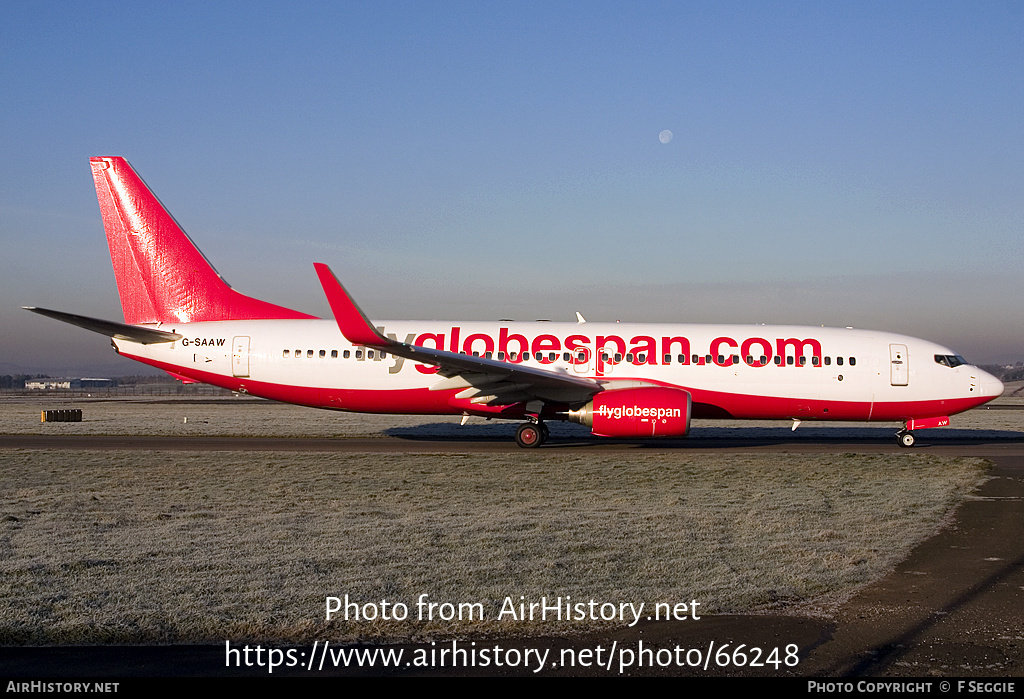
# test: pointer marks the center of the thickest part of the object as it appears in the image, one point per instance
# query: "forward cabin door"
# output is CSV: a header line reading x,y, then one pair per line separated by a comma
x,y
899,369
240,356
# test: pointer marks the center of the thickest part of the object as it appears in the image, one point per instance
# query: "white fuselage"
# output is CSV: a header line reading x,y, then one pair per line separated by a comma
x,y
738,371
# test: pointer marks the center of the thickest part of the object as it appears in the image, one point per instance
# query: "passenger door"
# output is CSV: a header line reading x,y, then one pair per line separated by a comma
x,y
899,370
240,356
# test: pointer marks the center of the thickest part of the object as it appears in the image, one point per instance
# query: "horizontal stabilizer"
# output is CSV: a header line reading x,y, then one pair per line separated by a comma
x,y
120,331
182,378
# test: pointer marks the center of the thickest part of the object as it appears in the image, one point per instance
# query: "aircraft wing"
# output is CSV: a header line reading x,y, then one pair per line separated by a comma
x,y
485,381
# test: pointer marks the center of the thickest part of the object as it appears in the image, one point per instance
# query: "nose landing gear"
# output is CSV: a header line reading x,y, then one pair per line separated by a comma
x,y
905,438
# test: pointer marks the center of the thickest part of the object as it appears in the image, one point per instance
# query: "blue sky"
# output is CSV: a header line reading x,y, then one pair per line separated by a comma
x,y
832,163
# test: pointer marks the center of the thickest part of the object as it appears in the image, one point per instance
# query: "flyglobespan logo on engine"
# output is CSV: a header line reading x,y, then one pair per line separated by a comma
x,y
620,411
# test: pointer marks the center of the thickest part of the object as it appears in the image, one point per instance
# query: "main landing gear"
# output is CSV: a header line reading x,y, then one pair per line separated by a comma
x,y
531,434
905,438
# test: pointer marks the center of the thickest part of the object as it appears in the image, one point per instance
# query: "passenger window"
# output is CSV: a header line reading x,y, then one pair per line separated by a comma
x,y
566,357
778,360
764,360
694,359
618,357
839,361
735,359
748,359
323,353
334,354
298,353
803,361
309,353
383,355
359,354
642,358
552,356
789,361
828,361
287,353
369,354
668,359
487,355
629,356
815,361
346,354
501,356
853,361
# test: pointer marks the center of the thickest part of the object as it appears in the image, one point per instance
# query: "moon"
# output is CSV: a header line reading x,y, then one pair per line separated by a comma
x,y
665,136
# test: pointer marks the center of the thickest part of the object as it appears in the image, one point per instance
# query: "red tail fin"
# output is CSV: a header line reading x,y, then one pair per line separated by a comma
x,y
161,275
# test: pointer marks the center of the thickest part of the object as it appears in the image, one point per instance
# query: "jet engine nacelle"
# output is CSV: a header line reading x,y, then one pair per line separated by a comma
x,y
637,412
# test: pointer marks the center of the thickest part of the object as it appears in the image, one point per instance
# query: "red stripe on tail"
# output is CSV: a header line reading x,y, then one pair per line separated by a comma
x,y
161,275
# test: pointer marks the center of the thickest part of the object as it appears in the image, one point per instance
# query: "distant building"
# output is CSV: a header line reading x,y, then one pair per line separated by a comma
x,y
68,384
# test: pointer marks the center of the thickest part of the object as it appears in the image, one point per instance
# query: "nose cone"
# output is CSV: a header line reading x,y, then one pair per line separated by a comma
x,y
990,386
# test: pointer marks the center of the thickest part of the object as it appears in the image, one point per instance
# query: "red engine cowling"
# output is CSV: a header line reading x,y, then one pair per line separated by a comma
x,y
637,412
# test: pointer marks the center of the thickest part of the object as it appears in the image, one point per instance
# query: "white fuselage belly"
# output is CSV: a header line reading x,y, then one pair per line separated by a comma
x,y
808,372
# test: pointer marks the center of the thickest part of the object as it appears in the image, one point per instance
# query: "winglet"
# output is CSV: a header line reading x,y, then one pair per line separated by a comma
x,y
352,322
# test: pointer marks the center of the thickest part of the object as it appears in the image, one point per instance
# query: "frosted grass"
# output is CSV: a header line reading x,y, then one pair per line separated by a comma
x,y
173,547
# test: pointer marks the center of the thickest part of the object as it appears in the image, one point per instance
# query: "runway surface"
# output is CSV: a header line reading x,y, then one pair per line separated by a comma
x,y
953,608
959,443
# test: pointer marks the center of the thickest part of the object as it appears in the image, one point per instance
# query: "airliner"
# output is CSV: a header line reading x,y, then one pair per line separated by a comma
x,y
624,380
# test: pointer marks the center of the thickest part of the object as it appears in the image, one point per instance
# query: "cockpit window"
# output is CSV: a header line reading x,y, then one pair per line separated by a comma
x,y
950,360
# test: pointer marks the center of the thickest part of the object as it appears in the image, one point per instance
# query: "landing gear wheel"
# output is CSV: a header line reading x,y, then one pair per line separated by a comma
x,y
530,435
906,439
